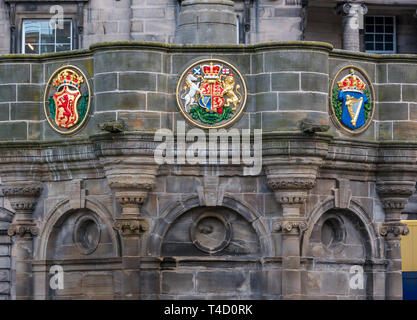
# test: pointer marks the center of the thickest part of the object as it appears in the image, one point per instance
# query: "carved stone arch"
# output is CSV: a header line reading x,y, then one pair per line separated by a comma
x,y
176,209
65,207
356,209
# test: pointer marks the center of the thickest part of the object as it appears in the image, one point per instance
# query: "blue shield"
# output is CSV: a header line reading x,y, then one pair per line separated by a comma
x,y
353,112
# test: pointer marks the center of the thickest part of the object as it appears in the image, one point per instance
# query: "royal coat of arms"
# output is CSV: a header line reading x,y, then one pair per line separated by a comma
x,y
67,99
352,100
211,94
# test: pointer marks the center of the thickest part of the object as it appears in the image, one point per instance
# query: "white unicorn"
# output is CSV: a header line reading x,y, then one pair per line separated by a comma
x,y
189,96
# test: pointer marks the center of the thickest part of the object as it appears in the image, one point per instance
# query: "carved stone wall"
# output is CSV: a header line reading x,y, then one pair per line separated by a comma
x,y
122,226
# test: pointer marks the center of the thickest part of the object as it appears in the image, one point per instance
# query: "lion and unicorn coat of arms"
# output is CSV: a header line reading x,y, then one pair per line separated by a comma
x,y
211,94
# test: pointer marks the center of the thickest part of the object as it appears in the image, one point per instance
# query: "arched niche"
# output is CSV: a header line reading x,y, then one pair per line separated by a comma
x,y
184,223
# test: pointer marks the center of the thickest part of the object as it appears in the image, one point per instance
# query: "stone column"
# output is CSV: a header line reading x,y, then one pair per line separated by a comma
x,y
394,197
350,24
131,178
206,22
290,185
23,198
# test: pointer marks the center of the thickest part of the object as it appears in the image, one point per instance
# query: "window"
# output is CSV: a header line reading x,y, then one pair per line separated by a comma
x,y
380,34
38,36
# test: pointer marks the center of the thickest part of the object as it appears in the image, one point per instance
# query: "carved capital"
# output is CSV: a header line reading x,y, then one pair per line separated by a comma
x,y
393,229
23,229
394,197
22,197
290,226
131,226
130,201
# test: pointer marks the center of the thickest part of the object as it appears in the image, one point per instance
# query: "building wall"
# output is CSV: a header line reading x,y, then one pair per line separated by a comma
x,y
136,82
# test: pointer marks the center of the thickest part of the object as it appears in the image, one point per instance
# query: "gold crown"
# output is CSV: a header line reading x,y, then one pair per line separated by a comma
x,y
211,71
351,82
68,77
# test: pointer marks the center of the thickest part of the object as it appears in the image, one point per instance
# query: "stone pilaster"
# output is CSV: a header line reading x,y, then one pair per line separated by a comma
x,y
394,197
291,185
131,178
23,198
351,12
206,22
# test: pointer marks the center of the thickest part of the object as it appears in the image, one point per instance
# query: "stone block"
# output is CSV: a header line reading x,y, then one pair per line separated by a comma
x,y
137,81
221,282
302,101
28,92
409,93
25,111
413,111
405,131
176,184
292,60
4,262
120,101
37,73
259,83
285,81
4,111
283,121
149,282
7,92
4,275
381,73
257,63
392,111
34,130
388,92
13,131
402,73
4,287
177,282
15,73
127,61
141,121
105,82
262,102
314,82
137,26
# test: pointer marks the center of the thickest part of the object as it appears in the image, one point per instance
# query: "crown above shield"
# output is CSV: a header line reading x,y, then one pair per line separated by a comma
x,y
211,71
351,82
68,78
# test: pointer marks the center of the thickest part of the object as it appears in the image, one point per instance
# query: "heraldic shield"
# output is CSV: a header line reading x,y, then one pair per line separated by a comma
x,y
352,100
211,93
67,100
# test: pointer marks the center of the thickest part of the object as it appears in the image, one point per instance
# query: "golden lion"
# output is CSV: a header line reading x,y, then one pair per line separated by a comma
x,y
228,86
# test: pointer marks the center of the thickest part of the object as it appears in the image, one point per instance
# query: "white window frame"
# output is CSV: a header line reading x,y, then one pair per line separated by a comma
x,y
394,42
39,40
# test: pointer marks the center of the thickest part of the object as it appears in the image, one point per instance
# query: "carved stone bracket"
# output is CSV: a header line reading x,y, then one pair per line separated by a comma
x,y
22,230
290,226
393,229
131,226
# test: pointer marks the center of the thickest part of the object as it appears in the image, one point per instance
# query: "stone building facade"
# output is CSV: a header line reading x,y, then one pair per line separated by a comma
x,y
122,226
